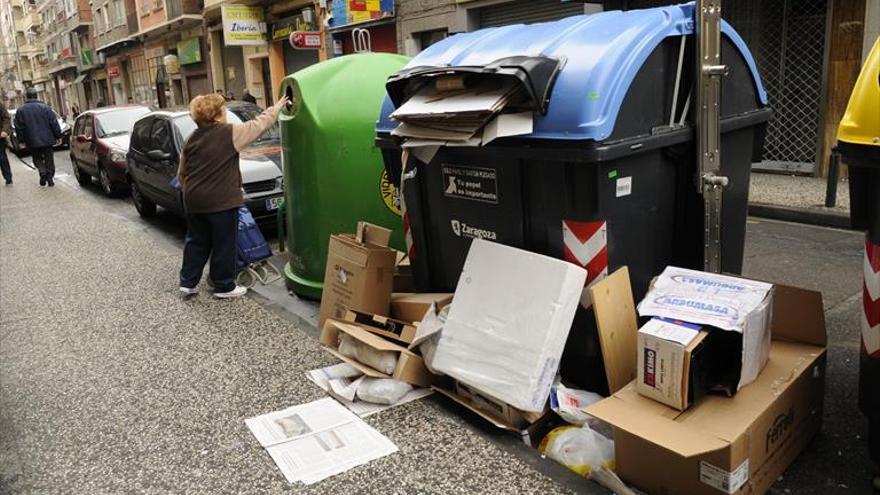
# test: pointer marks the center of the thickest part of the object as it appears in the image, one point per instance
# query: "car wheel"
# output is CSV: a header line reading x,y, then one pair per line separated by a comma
x,y
82,178
107,185
144,206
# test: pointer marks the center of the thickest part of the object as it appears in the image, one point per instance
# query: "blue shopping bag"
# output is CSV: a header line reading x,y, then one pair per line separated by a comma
x,y
252,246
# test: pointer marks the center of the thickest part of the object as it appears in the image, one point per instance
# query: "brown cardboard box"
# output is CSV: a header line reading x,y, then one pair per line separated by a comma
x,y
406,306
360,271
730,445
399,331
529,425
665,365
410,367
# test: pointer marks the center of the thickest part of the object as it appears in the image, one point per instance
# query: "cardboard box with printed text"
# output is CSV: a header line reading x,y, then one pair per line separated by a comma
x,y
733,445
359,274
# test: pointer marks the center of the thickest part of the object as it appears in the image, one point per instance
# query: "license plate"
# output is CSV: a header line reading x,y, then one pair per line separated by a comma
x,y
273,203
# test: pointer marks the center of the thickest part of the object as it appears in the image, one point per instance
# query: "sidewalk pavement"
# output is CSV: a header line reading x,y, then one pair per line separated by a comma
x,y
110,382
797,199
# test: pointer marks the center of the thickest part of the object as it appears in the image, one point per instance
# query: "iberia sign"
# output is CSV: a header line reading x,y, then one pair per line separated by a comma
x,y
305,40
243,25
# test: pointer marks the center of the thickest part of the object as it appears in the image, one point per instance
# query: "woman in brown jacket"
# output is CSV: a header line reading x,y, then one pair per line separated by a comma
x,y
210,180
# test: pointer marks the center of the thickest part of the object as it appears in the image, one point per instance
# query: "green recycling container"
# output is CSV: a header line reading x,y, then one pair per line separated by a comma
x,y
334,175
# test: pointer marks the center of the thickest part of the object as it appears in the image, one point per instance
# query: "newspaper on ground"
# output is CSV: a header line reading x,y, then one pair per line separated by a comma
x,y
339,377
311,442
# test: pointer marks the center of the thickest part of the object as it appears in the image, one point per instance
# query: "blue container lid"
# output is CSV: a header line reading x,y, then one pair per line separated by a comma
x,y
602,53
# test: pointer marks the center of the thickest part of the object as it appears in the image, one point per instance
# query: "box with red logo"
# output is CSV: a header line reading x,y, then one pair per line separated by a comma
x,y
669,360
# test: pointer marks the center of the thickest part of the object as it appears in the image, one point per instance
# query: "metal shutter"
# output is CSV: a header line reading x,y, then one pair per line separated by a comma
x,y
523,11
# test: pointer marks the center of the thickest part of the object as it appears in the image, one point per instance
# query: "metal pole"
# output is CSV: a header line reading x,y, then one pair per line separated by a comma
x,y
833,178
710,183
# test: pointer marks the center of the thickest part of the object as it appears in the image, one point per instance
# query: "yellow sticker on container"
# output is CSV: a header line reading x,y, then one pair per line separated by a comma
x,y
389,193
373,6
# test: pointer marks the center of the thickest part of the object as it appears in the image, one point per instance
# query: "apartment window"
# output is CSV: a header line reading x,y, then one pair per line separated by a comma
x,y
145,7
120,12
99,20
159,4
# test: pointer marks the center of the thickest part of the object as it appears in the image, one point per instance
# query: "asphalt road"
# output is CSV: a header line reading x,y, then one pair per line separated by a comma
x,y
817,258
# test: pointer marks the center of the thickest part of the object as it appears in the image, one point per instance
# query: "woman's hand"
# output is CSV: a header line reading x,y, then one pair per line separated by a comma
x,y
280,104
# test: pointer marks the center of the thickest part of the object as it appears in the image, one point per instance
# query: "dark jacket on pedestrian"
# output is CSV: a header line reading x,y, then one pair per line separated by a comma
x,y
5,124
37,125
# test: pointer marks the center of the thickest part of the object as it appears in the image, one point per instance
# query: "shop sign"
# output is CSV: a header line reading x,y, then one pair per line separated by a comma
x,y
189,51
113,71
65,52
243,25
283,28
305,40
172,65
347,12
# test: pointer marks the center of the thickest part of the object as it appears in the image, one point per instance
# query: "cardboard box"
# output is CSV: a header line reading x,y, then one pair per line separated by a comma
x,y
360,272
505,333
408,306
669,362
739,444
530,426
399,331
410,367
404,281
740,309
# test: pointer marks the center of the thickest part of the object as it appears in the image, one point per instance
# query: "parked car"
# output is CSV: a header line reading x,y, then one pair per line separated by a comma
x,y
100,144
19,147
154,154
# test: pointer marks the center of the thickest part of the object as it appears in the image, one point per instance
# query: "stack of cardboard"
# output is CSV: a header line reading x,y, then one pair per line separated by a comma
x,y
356,306
738,444
458,114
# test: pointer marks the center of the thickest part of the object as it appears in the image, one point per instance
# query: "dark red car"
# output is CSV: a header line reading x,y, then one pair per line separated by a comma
x,y
99,143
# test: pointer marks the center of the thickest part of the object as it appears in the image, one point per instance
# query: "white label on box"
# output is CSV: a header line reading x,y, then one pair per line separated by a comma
x,y
671,331
722,480
624,186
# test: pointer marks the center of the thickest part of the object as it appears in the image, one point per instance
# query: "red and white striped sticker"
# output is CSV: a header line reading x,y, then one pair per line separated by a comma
x,y
871,300
586,244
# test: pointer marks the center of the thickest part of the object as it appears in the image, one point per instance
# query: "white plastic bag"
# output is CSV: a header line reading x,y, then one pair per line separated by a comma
x,y
579,448
382,390
569,403
383,361
428,335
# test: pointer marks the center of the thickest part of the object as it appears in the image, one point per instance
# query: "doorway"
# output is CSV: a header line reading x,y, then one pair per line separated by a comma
x,y
267,82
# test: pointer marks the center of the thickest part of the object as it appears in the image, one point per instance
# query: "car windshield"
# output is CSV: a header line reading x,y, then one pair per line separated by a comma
x,y
119,121
185,124
245,113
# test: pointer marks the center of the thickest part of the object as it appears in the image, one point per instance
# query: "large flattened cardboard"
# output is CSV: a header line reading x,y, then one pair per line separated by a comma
x,y
506,331
754,435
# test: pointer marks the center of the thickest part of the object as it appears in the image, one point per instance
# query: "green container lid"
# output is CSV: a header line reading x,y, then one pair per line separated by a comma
x,y
333,174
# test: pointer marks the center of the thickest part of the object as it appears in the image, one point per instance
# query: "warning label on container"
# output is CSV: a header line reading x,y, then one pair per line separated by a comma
x,y
473,183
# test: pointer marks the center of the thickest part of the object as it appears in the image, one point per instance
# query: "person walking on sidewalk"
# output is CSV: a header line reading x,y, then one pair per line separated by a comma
x,y
37,124
210,181
5,132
